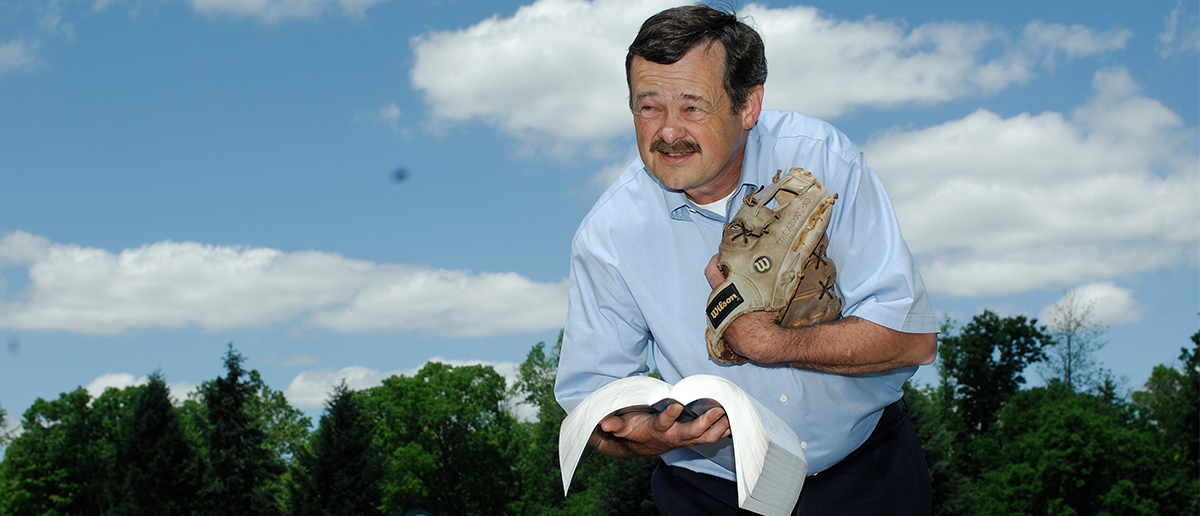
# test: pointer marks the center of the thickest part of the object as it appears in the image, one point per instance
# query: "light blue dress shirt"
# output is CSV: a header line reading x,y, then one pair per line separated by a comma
x,y
638,291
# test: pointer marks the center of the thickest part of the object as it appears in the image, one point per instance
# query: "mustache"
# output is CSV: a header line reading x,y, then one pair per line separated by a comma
x,y
679,147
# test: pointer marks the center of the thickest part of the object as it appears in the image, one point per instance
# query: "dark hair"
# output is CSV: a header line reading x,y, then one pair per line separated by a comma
x,y
665,37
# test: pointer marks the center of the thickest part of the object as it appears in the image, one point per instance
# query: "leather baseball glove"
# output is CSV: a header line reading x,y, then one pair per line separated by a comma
x,y
773,259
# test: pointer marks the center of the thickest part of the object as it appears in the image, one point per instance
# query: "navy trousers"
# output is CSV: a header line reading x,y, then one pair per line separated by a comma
x,y
886,475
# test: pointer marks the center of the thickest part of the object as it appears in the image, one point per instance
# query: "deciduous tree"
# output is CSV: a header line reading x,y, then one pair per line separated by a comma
x,y
1057,451
982,365
447,440
1077,336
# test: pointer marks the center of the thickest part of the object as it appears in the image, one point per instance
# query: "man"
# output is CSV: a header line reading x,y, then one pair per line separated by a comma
x,y
642,268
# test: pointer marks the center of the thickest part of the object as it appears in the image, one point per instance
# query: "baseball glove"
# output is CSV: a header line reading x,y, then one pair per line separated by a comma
x,y
773,260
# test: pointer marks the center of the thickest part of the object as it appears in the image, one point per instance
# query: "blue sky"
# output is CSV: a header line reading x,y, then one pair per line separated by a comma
x,y
178,175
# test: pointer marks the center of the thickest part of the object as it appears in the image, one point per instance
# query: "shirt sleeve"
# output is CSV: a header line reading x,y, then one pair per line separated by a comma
x,y
606,338
876,273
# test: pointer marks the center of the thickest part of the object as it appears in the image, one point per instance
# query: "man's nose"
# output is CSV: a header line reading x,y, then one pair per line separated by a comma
x,y
672,129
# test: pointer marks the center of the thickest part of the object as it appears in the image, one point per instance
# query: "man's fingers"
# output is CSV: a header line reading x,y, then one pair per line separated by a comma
x,y
717,430
611,424
713,273
667,417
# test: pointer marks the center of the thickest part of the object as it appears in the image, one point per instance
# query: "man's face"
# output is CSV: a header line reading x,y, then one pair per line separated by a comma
x,y
687,135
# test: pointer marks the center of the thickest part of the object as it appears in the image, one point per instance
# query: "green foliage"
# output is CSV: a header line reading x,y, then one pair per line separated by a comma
x,y
539,477
241,469
59,464
981,366
155,469
932,419
341,474
447,440
1170,401
1055,451
601,485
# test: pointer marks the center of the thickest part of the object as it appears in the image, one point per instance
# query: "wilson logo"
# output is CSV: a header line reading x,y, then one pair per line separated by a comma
x,y
762,264
723,303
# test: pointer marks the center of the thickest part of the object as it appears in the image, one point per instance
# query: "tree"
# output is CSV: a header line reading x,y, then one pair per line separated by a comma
x,y
447,440
342,472
1077,336
240,467
3,428
156,468
1170,402
601,485
1057,451
59,463
930,418
286,431
981,366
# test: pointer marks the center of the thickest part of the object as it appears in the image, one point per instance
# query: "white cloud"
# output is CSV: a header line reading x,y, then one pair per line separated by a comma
x,y
274,11
181,390
115,380
389,114
1111,305
555,67
1181,33
999,206
554,70
311,389
18,55
175,285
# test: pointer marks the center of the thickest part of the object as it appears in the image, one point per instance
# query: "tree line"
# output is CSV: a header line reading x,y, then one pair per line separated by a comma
x,y
446,441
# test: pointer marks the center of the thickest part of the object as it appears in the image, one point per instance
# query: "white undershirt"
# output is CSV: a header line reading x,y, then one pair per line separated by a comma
x,y
719,207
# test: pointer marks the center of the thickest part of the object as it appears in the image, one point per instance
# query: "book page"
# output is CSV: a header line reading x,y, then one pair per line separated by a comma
x,y
633,391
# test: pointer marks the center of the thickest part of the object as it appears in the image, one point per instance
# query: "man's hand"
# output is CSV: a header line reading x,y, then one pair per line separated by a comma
x,y
847,345
639,434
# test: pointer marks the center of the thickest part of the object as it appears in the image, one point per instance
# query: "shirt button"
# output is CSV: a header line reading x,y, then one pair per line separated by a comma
x,y
803,445
783,398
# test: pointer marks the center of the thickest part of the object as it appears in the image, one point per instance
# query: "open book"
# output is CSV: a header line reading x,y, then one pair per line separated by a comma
x,y
768,460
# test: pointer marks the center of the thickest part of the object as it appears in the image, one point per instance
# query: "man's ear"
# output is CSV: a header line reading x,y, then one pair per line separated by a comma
x,y
753,107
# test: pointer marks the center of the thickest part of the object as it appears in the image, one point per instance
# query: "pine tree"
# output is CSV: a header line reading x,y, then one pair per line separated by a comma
x,y
155,469
239,466
340,474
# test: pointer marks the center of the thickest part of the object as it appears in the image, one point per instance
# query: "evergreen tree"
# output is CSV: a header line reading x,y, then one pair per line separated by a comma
x,y
240,468
156,469
286,429
341,474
